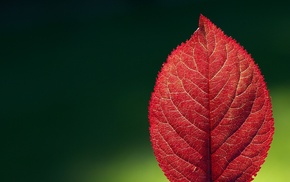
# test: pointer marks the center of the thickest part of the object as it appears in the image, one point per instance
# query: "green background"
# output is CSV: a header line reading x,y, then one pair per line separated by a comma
x,y
76,78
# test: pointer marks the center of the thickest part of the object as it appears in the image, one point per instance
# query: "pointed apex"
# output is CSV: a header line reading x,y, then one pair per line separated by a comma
x,y
202,23
203,18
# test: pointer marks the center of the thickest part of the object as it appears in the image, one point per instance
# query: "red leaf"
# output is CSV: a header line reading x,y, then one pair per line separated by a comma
x,y
210,113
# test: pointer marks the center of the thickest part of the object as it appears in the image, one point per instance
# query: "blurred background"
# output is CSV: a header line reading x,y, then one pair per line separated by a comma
x,y
76,78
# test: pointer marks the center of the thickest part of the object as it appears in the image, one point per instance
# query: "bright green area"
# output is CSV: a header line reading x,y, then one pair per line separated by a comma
x,y
276,167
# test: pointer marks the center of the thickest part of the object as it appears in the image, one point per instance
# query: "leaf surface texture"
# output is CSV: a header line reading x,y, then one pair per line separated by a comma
x,y
210,113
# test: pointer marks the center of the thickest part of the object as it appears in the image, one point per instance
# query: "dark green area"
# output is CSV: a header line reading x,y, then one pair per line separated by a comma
x,y
76,77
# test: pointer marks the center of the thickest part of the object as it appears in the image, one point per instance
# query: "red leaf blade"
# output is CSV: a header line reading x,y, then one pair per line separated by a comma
x,y
210,113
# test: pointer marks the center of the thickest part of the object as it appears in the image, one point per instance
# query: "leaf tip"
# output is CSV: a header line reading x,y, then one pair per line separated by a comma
x,y
203,22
